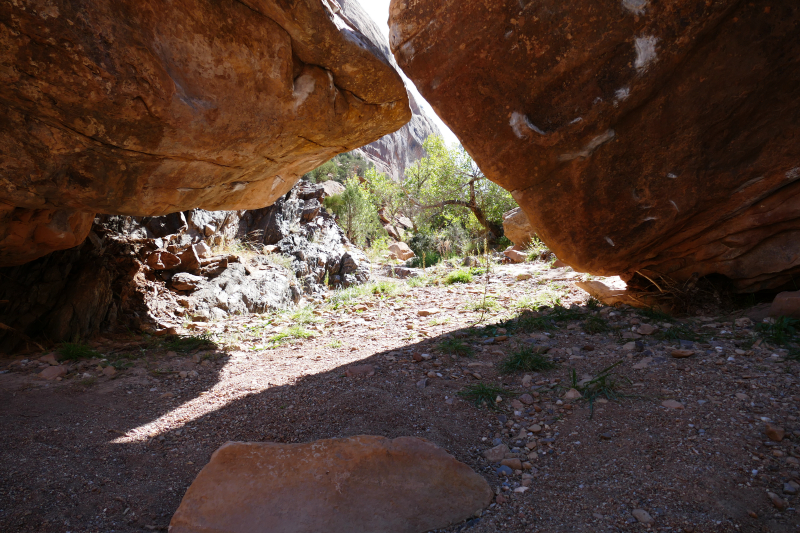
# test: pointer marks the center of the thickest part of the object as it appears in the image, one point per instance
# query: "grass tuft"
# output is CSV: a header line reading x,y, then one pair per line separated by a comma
x,y
456,347
74,351
482,395
595,324
782,331
188,343
458,276
603,384
526,359
656,314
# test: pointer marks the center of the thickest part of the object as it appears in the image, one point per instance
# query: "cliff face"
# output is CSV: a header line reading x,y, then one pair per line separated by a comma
x,y
392,153
638,136
145,107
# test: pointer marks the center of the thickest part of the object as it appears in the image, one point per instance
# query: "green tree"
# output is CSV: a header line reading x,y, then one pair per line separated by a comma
x,y
356,213
447,184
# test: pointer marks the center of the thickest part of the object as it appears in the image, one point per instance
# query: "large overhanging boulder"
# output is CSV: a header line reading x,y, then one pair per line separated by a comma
x,y
144,107
638,136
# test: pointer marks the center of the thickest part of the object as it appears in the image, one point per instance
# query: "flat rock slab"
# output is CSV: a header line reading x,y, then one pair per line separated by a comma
x,y
363,483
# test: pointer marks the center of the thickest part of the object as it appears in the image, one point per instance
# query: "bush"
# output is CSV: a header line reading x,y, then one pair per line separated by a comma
x,y
356,213
458,276
526,359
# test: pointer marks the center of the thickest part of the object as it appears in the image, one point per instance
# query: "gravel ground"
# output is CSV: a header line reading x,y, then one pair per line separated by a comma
x,y
115,450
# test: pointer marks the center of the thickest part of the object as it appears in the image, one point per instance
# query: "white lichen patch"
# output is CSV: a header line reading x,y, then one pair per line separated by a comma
x,y
645,52
590,147
675,205
521,125
621,95
635,6
609,241
672,175
793,174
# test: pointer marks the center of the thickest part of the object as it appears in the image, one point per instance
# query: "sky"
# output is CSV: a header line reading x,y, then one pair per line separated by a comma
x,y
379,11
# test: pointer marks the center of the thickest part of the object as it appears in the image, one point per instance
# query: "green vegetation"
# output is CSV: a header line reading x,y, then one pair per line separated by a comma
x,y
526,359
293,334
304,315
335,343
595,324
603,384
679,332
340,168
487,305
656,314
781,331
356,213
536,250
74,351
458,276
593,303
188,343
376,288
482,395
456,347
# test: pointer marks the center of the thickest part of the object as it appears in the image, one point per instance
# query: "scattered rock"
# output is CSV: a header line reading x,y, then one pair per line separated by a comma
x,y
109,371
522,276
642,516
428,312
514,464
496,454
517,227
527,399
360,370
515,255
53,372
50,359
646,329
572,394
779,503
336,485
786,304
775,433
791,488
672,404
680,354
401,250
742,396
535,428
183,281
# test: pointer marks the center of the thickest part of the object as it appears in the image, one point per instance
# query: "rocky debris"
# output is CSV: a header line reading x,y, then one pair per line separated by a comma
x,y
779,503
359,483
300,228
360,370
611,297
150,125
681,354
517,228
401,272
53,372
672,404
496,454
652,83
401,250
572,394
786,304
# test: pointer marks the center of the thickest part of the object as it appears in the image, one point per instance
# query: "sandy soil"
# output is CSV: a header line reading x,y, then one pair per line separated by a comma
x,y
91,452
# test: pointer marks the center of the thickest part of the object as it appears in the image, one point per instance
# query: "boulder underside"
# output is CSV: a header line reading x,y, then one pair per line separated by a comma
x,y
659,138
147,108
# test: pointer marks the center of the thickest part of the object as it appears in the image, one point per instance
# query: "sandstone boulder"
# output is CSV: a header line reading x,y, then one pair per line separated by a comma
x,y
638,136
332,187
786,304
362,483
517,228
401,250
142,107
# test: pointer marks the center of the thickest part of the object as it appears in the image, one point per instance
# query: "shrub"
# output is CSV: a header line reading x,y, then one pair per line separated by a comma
x,y
75,351
458,276
526,359
456,347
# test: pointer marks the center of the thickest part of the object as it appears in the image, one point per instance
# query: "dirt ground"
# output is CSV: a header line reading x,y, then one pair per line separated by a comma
x,y
95,452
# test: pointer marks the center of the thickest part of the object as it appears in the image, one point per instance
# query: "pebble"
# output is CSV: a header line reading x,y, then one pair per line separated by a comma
x,y
791,488
514,464
53,372
527,399
775,433
109,371
779,503
645,329
572,394
429,311
504,471
680,354
742,396
642,516
536,428
672,404
360,370
496,454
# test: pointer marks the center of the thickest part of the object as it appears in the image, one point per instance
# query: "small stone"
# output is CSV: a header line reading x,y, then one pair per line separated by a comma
x,y
429,311
526,380
646,329
416,356
514,464
193,374
183,374
672,404
431,374
521,489
50,359
742,396
572,394
629,346
644,363
642,516
743,322
517,405
527,466
533,456
167,395
421,384
109,371
775,433
496,454
527,399
606,436
536,428
779,503
522,276
52,372
680,354
791,488
500,499
360,370
504,471
501,338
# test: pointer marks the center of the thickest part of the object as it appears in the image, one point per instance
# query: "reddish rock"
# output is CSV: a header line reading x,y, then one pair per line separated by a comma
x,y
514,464
50,359
775,433
163,261
681,354
364,483
672,404
360,370
401,250
786,304
143,107
517,228
515,256
53,372
652,137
